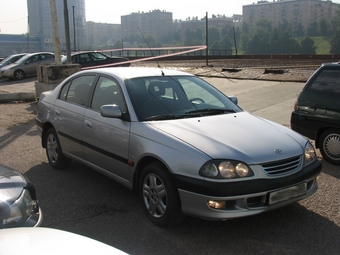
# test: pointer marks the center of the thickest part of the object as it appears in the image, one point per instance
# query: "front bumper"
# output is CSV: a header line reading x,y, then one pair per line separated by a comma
x,y
244,198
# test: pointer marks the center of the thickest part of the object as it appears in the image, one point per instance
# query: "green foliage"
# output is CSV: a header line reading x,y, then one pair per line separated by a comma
x,y
335,43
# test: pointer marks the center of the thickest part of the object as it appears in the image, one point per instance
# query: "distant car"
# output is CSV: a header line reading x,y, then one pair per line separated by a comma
x,y
95,58
11,59
187,148
316,112
48,241
19,206
27,65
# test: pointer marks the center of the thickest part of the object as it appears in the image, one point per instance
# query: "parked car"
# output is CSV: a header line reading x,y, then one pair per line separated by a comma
x,y
43,241
11,59
316,112
27,65
95,58
19,206
183,145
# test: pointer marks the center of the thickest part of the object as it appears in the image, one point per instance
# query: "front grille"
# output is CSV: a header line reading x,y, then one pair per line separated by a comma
x,y
283,166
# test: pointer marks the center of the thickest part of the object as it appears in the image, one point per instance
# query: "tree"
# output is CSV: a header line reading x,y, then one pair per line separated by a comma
x,y
245,28
335,43
285,26
245,38
288,45
213,35
307,46
313,29
275,42
254,45
323,27
299,30
265,24
226,43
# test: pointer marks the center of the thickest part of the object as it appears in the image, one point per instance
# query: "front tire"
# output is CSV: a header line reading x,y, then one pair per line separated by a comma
x,y
54,153
19,75
330,146
159,196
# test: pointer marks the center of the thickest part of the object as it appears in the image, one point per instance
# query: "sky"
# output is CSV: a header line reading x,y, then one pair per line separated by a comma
x,y
13,13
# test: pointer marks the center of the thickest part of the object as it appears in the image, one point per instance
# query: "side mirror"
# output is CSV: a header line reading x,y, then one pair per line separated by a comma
x,y
234,99
111,111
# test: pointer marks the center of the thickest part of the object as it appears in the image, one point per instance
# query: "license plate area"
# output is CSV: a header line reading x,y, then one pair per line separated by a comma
x,y
287,193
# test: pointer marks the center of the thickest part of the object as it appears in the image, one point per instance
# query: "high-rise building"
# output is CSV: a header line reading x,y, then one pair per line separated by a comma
x,y
300,13
40,22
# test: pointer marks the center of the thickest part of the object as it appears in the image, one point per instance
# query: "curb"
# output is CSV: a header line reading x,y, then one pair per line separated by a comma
x,y
7,97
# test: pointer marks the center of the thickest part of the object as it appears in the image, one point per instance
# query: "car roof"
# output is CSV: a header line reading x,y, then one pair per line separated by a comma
x,y
82,52
134,72
331,64
18,54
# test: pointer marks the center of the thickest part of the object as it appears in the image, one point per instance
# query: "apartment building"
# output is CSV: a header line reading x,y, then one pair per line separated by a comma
x,y
296,12
156,23
102,34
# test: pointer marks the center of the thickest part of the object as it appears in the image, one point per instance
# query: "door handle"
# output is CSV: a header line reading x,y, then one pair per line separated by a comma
x,y
88,123
57,112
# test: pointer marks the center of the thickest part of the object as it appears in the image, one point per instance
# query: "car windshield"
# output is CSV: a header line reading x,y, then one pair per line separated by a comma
x,y
98,56
161,98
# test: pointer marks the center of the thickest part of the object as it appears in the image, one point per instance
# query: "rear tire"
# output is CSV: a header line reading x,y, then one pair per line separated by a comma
x,y
330,145
159,196
19,75
54,153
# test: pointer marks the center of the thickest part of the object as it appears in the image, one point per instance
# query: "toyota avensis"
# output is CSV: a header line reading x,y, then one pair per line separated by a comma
x,y
183,145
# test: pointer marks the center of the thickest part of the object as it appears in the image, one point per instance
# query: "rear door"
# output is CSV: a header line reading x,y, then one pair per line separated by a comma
x,y
69,112
106,140
30,66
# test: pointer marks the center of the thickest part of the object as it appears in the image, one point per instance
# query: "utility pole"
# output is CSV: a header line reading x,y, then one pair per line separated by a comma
x,y
56,38
74,32
206,38
67,33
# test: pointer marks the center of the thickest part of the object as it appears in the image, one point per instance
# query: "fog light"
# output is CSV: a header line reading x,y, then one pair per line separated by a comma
x,y
216,204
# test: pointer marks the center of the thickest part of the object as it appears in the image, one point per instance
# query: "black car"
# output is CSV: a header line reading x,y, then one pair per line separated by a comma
x,y
18,201
316,112
95,59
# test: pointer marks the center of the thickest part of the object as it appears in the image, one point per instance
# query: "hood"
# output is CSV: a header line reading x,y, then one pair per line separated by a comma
x,y
240,136
11,184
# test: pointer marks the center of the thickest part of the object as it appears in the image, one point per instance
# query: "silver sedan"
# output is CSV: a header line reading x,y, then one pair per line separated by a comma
x,y
26,66
187,148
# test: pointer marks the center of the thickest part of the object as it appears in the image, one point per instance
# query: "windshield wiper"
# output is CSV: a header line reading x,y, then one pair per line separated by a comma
x,y
210,111
164,117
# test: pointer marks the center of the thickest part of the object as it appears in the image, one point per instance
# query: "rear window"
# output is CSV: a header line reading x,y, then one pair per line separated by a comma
x,y
326,81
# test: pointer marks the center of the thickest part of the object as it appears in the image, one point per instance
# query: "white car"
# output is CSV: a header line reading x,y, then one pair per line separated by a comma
x,y
187,148
48,241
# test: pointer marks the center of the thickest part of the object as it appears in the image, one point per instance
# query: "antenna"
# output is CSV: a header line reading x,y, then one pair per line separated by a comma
x,y
148,47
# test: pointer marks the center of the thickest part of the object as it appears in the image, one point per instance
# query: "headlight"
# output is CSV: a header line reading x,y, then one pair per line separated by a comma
x,y
13,215
225,169
310,154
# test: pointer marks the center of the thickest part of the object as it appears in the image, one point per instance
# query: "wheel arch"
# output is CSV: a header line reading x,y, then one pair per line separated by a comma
x,y
45,128
142,163
320,132
19,70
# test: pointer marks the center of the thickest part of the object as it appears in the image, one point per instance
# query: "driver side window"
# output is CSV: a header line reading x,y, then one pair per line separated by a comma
x,y
106,92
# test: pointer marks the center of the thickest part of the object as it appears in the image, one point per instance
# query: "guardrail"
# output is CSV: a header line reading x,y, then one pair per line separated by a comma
x,y
200,53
